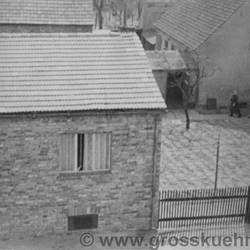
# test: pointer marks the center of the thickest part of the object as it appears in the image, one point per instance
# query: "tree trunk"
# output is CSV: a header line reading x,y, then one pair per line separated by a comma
x,y
125,16
120,16
96,20
185,101
100,18
187,118
185,107
99,8
139,9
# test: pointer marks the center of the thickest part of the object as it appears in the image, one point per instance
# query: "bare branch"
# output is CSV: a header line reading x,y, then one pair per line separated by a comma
x,y
188,81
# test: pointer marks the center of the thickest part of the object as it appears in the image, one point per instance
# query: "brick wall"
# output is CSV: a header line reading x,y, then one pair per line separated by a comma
x,y
36,197
39,28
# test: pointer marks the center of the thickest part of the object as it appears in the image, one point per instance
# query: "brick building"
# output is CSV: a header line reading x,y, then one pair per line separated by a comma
x,y
46,16
80,122
217,31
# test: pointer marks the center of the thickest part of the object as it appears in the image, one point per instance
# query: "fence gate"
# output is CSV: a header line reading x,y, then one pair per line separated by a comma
x,y
204,207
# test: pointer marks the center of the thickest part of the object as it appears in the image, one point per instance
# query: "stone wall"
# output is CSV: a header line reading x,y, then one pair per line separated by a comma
x,y
36,197
41,28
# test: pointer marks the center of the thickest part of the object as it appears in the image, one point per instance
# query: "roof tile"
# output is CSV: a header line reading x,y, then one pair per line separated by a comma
x,y
64,12
62,72
192,22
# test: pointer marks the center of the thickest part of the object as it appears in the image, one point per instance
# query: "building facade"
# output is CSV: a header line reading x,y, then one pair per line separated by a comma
x,y
79,134
38,196
217,33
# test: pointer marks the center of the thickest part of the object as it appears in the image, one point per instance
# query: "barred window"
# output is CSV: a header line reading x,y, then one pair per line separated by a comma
x,y
85,152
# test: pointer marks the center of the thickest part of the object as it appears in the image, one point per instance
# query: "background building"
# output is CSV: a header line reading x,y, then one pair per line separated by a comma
x,y
46,16
217,32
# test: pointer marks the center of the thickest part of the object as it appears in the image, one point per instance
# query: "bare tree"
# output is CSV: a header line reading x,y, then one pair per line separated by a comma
x,y
139,8
124,13
188,82
99,6
120,7
123,9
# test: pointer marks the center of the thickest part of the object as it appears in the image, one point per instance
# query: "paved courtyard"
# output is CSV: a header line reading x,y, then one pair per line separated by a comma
x,y
189,157
188,161
71,241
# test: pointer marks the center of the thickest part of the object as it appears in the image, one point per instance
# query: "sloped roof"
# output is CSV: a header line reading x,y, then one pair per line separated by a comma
x,y
74,12
192,22
166,60
70,72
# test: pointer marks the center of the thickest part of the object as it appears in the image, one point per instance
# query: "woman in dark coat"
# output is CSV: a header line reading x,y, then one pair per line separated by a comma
x,y
234,105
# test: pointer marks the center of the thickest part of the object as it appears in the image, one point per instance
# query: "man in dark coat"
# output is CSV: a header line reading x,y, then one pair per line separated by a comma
x,y
234,105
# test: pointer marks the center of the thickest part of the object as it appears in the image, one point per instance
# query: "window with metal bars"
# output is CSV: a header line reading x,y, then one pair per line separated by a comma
x,y
85,152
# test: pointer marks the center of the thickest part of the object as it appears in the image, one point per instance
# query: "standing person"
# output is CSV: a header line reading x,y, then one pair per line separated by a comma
x,y
234,105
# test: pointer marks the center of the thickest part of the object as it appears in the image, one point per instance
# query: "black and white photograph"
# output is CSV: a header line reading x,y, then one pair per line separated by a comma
x,y
124,124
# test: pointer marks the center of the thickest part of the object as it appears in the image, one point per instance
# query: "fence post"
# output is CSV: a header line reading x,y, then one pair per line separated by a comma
x,y
217,163
158,212
247,216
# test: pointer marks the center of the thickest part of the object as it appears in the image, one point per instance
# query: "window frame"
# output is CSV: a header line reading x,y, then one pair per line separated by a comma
x,y
75,170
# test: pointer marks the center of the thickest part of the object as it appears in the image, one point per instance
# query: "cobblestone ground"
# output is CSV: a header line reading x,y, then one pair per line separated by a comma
x,y
189,157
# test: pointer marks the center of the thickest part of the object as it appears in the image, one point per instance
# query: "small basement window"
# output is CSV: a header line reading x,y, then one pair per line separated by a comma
x,y
88,221
85,152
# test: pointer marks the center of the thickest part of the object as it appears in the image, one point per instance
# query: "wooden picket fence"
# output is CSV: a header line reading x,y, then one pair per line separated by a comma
x,y
203,207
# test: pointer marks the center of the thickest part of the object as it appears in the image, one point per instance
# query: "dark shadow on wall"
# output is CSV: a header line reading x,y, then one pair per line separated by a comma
x,y
174,95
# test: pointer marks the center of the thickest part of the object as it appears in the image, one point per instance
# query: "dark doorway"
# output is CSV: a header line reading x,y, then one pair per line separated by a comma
x,y
174,95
